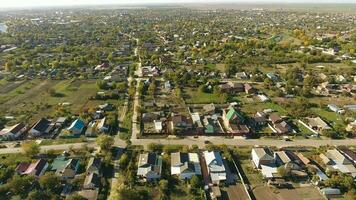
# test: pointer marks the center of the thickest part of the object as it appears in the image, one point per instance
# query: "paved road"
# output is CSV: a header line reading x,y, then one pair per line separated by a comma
x,y
242,142
51,147
200,142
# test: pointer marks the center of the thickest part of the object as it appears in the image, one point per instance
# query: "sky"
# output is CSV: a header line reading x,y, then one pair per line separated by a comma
x,y
37,3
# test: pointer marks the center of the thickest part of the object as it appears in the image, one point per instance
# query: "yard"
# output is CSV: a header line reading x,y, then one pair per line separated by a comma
x,y
194,96
300,193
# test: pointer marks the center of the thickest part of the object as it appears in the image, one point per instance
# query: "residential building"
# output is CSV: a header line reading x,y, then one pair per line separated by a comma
x,y
317,124
215,166
69,170
41,127
262,156
180,123
185,165
36,169
12,132
336,109
234,121
77,126
149,166
94,165
92,181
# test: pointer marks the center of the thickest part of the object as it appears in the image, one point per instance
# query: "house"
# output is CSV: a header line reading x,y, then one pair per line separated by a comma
x,y
326,89
351,127
180,123
149,166
235,122
275,118
21,168
197,122
303,159
91,129
263,98
282,158
351,155
149,117
336,109
337,157
349,88
317,124
272,76
279,125
158,126
336,160
69,170
330,192
102,126
215,166
36,169
262,156
259,119
232,87
67,190
167,85
92,181
241,75
282,127
209,109
12,132
185,165
325,159
60,121
94,165
41,127
249,89
76,128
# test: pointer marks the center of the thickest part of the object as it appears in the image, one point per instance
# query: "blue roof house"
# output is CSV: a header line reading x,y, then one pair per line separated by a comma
x,y
76,128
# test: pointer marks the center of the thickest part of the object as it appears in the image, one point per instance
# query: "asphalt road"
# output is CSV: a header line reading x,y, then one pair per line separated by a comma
x,y
200,142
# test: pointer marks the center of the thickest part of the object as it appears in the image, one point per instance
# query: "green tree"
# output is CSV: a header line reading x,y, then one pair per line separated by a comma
x,y
30,148
105,142
195,182
49,181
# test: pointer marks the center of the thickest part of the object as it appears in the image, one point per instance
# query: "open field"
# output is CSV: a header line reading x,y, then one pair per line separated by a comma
x,y
194,96
34,100
302,193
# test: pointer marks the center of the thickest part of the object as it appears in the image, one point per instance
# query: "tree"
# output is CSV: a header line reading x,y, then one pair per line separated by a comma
x,y
195,182
163,187
37,194
152,89
105,142
281,171
49,181
124,161
30,148
268,83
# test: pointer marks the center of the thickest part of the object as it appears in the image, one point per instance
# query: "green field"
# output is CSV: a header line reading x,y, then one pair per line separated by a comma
x,y
194,96
33,100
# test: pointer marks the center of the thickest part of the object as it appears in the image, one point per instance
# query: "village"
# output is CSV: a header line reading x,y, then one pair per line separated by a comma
x,y
133,108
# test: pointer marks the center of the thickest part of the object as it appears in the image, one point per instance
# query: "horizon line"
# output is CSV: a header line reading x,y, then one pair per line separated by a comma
x,y
177,4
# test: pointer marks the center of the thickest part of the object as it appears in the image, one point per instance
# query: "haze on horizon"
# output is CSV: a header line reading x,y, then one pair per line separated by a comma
x,y
41,3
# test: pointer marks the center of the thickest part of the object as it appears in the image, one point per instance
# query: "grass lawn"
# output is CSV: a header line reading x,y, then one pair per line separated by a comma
x,y
33,100
328,115
194,96
62,141
13,159
252,108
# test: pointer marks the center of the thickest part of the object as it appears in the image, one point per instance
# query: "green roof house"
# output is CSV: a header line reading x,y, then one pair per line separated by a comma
x,y
232,115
